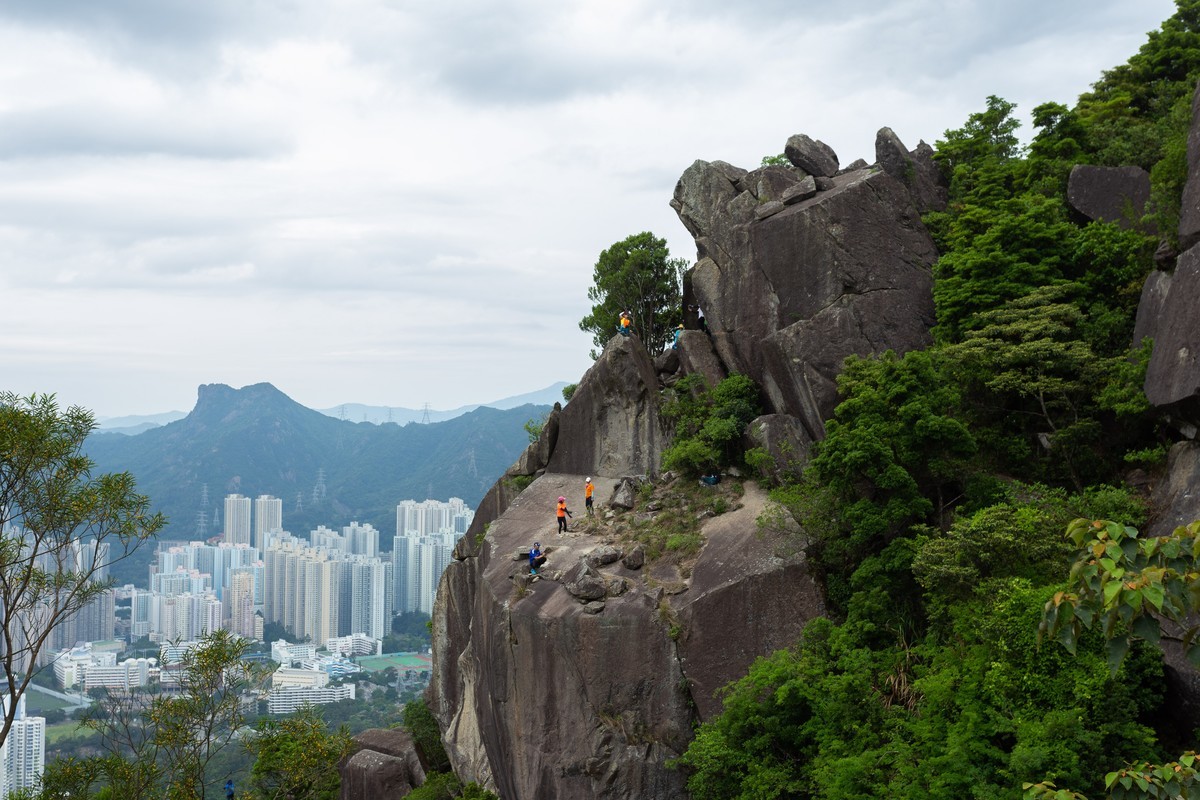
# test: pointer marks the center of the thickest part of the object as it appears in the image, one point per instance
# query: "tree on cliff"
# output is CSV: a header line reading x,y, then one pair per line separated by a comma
x,y
61,527
637,275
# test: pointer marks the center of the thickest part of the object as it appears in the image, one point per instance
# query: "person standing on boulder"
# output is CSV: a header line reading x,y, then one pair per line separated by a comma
x,y
588,488
678,332
562,513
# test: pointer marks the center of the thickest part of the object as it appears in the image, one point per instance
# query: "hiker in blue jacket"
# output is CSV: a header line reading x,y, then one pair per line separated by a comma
x,y
536,558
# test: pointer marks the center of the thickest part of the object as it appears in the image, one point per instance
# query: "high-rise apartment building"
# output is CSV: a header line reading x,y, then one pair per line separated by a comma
x,y
426,533
237,519
95,621
23,754
362,539
239,602
268,516
418,563
366,597
302,589
184,617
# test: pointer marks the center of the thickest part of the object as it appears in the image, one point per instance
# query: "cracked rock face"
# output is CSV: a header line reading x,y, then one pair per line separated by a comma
x,y
788,297
546,693
586,680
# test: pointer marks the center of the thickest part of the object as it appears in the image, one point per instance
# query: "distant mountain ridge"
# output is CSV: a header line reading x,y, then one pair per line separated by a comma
x,y
134,424
357,412
256,440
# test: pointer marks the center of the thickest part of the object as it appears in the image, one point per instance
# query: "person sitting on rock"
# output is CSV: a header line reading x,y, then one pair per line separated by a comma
x,y
562,514
536,558
626,327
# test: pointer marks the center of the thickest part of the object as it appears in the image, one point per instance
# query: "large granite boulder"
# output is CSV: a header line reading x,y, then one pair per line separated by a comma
x,y
751,594
785,440
1189,211
542,695
789,297
1110,194
812,156
1176,502
1166,314
386,766
586,682
696,355
915,169
769,183
611,426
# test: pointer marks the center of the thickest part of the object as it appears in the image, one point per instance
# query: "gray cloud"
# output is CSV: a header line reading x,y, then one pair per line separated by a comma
x,y
105,131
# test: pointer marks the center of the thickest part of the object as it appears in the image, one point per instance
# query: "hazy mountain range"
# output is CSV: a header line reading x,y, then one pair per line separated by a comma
x,y
353,412
328,471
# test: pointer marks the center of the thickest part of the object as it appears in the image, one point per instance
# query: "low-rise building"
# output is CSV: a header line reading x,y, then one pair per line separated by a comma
x,y
289,699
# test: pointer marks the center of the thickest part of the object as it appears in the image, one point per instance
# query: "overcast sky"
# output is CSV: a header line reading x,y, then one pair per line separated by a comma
x,y
399,203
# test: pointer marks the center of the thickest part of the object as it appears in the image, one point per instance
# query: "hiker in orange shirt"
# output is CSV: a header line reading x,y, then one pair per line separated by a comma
x,y
588,488
563,514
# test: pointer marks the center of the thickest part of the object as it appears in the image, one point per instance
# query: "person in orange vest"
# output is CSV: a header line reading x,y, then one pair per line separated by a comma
x,y
588,488
563,513
626,327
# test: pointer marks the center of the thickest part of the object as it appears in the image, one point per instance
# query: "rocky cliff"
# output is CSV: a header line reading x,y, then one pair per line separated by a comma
x,y
586,681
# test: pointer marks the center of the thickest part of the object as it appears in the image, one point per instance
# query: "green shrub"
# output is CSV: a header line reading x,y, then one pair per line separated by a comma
x,y
709,424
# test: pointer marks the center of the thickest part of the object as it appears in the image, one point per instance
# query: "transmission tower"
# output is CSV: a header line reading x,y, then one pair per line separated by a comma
x,y
202,515
319,489
425,415
299,502
471,468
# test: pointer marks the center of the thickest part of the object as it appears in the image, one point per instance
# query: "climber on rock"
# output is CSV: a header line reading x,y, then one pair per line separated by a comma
x,y
536,558
562,513
626,326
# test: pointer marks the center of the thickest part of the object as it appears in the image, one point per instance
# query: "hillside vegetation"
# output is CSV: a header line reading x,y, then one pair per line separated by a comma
x,y
938,501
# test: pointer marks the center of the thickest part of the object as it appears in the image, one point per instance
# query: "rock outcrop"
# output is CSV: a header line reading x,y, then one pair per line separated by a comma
x,y
788,297
385,765
1167,307
1189,211
1110,194
585,680
611,425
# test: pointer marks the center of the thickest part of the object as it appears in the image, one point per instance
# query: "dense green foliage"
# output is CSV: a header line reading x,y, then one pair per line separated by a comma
x,y
419,721
293,757
156,744
638,275
708,424
944,696
934,507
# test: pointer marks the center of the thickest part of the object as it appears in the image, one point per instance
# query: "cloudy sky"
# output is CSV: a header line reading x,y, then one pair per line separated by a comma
x,y
398,203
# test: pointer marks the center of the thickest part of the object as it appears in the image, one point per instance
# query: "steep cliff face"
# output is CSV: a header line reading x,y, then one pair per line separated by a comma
x,y
585,682
790,289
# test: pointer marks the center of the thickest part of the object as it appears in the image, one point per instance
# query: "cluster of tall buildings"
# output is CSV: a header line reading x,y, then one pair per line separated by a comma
x,y
335,588
426,534
333,584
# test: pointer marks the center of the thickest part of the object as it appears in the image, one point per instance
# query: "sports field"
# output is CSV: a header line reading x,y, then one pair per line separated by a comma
x,y
397,660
